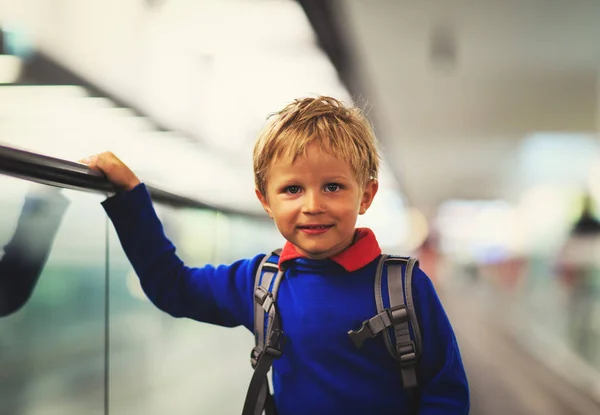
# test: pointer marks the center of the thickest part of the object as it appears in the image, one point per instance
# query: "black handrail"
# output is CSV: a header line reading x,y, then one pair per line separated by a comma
x,y
72,175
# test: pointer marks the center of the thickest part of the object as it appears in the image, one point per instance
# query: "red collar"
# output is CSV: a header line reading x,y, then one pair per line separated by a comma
x,y
363,251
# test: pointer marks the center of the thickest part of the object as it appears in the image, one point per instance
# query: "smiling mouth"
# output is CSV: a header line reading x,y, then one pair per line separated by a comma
x,y
315,227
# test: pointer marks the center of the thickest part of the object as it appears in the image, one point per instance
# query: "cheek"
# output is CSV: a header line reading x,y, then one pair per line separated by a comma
x,y
350,206
283,211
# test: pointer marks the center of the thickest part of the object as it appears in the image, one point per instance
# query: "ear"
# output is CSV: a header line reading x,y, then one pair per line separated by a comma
x,y
368,195
264,202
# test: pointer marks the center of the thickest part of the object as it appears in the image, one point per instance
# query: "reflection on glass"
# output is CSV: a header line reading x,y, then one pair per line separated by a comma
x,y
26,253
52,333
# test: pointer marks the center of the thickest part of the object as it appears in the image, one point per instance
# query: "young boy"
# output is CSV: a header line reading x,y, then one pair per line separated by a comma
x,y
315,167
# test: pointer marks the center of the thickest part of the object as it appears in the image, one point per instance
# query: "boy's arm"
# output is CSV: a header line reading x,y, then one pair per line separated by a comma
x,y
443,386
218,295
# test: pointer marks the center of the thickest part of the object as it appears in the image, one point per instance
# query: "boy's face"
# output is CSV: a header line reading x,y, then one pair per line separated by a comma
x,y
315,202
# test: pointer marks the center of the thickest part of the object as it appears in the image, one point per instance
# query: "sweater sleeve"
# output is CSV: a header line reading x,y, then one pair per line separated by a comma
x,y
442,379
220,295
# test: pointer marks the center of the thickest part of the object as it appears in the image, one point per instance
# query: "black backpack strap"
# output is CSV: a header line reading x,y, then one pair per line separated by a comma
x,y
400,317
267,334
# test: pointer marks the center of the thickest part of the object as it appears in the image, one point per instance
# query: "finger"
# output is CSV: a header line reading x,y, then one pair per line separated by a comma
x,y
107,162
91,161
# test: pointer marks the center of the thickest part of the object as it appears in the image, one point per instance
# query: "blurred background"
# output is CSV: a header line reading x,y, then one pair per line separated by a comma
x,y
488,118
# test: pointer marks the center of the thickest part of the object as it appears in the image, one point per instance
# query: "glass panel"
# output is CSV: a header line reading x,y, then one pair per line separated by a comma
x,y
159,364
52,343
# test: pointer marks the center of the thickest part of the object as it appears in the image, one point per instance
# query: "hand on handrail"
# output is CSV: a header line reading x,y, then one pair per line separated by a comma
x,y
115,170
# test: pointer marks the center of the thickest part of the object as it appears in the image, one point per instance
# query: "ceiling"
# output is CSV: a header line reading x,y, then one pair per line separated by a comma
x,y
454,86
457,86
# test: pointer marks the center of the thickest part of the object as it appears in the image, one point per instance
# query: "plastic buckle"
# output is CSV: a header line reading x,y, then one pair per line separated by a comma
x,y
261,294
398,314
270,266
275,344
264,298
359,336
407,353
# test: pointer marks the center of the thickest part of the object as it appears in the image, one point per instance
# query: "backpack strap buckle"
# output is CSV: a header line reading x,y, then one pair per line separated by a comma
x,y
264,298
275,343
407,353
273,348
372,327
398,314
359,336
407,360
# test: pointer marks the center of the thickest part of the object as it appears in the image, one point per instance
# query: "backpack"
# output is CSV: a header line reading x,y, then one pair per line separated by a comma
x,y
400,318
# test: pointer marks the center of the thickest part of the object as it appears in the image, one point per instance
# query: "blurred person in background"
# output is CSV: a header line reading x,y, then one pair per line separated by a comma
x,y
580,275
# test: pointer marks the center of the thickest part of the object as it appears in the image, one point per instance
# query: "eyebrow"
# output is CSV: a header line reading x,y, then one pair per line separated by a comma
x,y
286,177
334,178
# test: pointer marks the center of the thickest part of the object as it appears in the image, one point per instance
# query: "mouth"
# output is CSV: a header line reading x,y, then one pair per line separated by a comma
x,y
315,229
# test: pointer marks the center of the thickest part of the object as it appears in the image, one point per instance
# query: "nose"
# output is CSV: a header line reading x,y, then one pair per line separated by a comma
x,y
313,203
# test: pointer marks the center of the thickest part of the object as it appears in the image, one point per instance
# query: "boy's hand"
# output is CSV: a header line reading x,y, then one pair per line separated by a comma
x,y
115,170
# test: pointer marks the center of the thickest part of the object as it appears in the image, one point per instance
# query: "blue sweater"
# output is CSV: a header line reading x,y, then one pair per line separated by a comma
x,y
321,371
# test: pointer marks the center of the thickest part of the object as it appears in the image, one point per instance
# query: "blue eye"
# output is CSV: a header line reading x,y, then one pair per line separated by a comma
x,y
292,189
332,187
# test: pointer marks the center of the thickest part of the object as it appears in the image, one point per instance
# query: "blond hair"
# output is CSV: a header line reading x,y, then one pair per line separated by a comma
x,y
340,130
